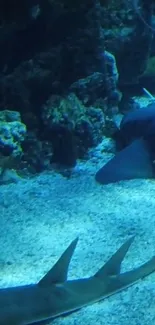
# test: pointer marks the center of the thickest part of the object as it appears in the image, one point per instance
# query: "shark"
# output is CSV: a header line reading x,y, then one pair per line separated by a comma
x,y
135,141
54,295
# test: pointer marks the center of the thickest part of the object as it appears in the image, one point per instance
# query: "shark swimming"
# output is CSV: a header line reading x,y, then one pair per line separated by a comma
x,y
54,295
136,141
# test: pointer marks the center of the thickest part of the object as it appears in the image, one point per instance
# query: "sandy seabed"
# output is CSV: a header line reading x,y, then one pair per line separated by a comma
x,y
41,216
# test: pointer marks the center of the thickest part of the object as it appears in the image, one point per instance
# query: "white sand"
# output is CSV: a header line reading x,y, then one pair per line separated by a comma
x,y
41,216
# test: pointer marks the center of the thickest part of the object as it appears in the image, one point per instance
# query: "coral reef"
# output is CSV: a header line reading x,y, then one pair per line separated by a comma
x,y
71,127
12,133
51,49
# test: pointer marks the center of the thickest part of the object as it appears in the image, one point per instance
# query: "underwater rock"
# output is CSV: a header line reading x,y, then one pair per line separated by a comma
x,y
9,176
71,57
101,84
36,153
90,88
71,127
12,133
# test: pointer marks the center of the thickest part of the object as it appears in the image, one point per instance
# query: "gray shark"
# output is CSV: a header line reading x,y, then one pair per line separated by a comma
x,y
55,295
136,141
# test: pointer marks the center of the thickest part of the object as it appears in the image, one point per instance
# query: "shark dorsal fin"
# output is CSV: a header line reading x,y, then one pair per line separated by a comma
x,y
58,273
113,266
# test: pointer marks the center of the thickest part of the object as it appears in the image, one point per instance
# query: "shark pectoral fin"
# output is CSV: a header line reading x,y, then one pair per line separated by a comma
x,y
113,266
134,161
58,273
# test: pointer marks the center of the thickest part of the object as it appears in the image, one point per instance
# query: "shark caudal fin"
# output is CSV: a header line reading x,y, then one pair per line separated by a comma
x,y
58,273
132,162
113,266
110,272
126,279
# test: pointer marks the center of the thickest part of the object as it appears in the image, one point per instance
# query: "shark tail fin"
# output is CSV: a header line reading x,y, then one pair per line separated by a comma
x,y
113,266
58,273
127,278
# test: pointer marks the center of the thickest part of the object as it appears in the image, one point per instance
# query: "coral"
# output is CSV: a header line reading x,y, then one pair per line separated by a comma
x,y
12,133
90,88
71,127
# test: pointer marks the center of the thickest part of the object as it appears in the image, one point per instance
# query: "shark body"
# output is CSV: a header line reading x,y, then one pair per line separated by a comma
x,y
54,295
136,141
